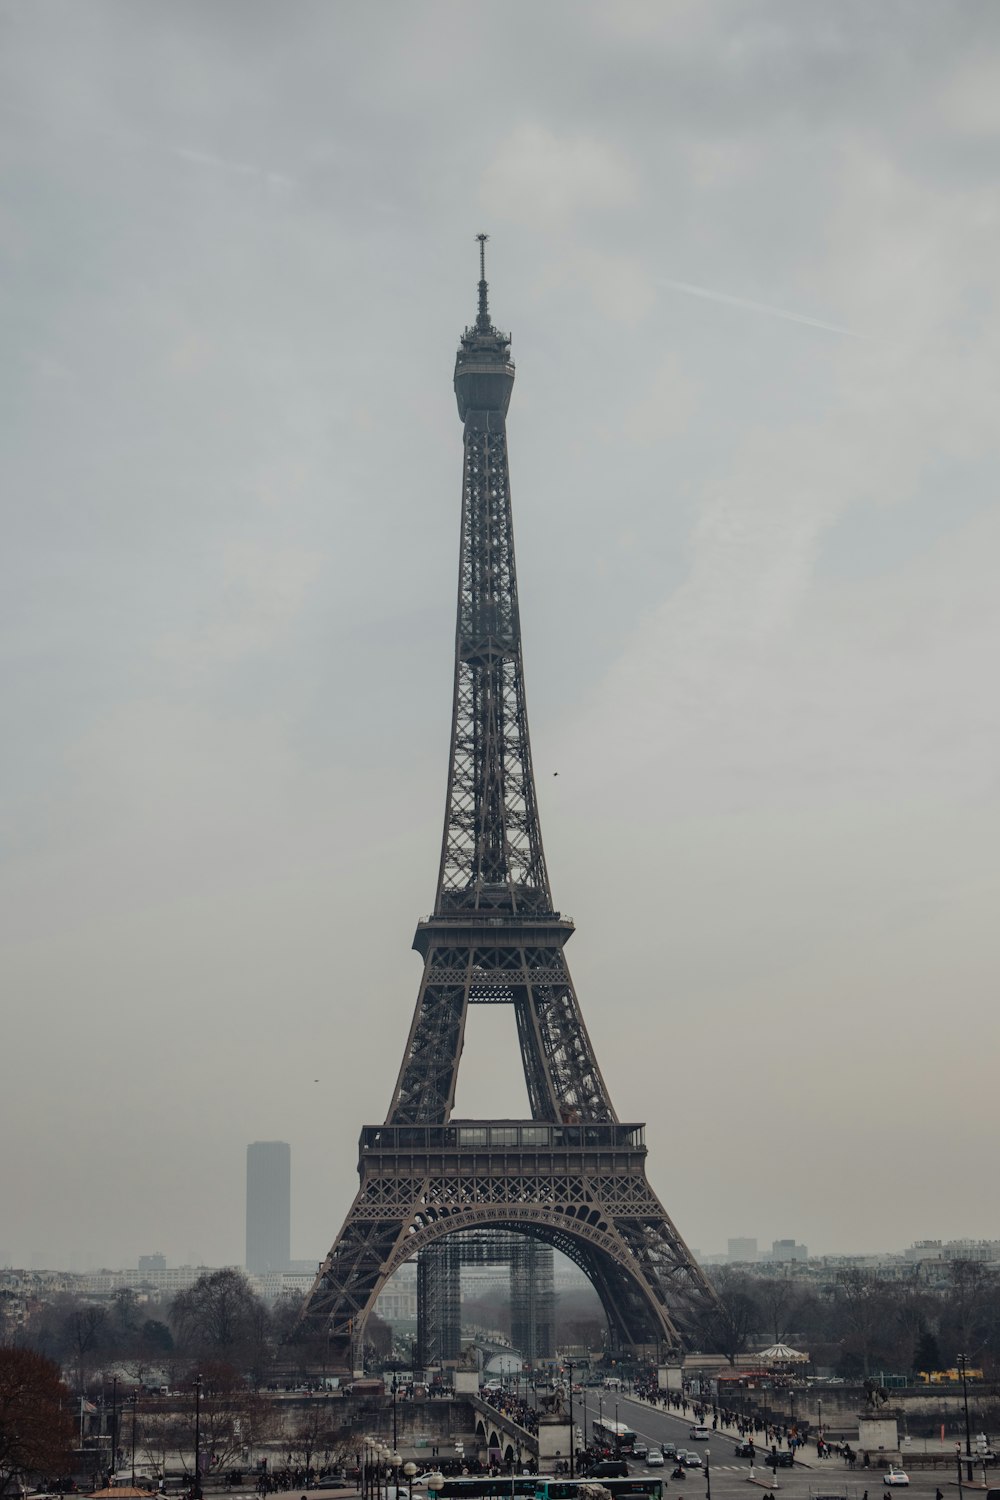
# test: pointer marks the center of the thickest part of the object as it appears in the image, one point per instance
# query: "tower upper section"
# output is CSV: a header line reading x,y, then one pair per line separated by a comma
x,y
484,370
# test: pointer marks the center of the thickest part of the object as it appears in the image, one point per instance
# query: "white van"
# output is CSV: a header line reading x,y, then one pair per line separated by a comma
x,y
700,1434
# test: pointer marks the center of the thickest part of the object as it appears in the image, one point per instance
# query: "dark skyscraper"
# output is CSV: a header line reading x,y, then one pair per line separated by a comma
x,y
269,1206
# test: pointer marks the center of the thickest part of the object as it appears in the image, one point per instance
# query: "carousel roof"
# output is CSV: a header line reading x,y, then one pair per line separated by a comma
x,y
781,1354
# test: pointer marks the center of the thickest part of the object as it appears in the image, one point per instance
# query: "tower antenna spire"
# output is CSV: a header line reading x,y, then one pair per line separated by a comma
x,y
483,321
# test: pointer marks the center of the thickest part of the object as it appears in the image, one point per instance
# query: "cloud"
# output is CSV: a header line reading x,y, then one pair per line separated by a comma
x,y
544,179
262,591
209,160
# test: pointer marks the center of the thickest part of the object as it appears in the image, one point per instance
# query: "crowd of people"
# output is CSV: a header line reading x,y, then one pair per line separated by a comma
x,y
510,1404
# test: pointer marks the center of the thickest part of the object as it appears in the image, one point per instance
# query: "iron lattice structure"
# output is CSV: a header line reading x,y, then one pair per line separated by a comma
x,y
439,1293
572,1176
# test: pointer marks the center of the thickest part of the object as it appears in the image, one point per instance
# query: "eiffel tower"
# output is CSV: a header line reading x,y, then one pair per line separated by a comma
x,y
573,1175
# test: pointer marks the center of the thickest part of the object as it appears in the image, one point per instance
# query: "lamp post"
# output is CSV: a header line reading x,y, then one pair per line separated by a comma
x,y
114,1423
963,1360
958,1466
395,1386
395,1461
372,1468
572,1428
708,1474
135,1406
196,1489
409,1469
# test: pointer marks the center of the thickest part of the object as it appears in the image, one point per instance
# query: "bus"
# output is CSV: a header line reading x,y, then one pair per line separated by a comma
x,y
613,1437
488,1487
578,1489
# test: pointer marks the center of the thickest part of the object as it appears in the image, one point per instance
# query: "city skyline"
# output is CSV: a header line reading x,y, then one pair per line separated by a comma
x,y
749,268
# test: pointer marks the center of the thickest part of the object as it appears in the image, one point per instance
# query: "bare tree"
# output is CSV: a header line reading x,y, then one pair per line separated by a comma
x,y
780,1299
971,1314
861,1299
220,1316
315,1434
85,1337
738,1315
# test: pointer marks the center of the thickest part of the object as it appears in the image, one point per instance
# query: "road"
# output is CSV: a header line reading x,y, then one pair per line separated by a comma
x,y
730,1476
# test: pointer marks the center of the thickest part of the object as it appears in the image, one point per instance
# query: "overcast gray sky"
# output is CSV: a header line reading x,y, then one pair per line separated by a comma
x,y
749,257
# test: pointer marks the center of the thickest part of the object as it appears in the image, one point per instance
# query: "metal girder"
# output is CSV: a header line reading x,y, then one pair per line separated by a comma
x,y
597,1206
561,1070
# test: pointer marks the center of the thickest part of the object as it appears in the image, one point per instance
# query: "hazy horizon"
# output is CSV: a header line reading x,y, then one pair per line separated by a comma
x,y
748,259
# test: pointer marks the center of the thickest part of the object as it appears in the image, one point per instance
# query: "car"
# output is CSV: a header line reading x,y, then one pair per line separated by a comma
x,y
669,1450
690,1460
639,1450
700,1433
610,1468
781,1460
654,1459
895,1475
746,1450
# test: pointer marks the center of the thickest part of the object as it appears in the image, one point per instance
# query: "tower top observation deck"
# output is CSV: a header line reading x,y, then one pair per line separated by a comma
x,y
484,370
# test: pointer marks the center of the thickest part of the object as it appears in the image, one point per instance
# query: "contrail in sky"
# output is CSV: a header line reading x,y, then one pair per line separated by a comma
x,y
764,307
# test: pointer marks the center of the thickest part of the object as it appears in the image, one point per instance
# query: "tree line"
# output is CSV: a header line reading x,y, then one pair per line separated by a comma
x,y
862,1321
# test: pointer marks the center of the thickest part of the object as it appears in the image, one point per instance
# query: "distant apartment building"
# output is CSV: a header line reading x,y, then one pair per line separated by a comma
x,y
987,1251
274,1284
742,1252
170,1279
785,1252
150,1263
269,1207
397,1301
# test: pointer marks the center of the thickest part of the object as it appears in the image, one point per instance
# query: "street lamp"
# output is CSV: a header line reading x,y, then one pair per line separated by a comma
x,y
114,1423
371,1449
708,1474
196,1491
409,1470
958,1466
135,1405
982,1448
572,1428
395,1461
963,1360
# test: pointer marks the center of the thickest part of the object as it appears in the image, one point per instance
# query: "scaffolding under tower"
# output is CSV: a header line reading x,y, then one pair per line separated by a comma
x,y
529,1263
